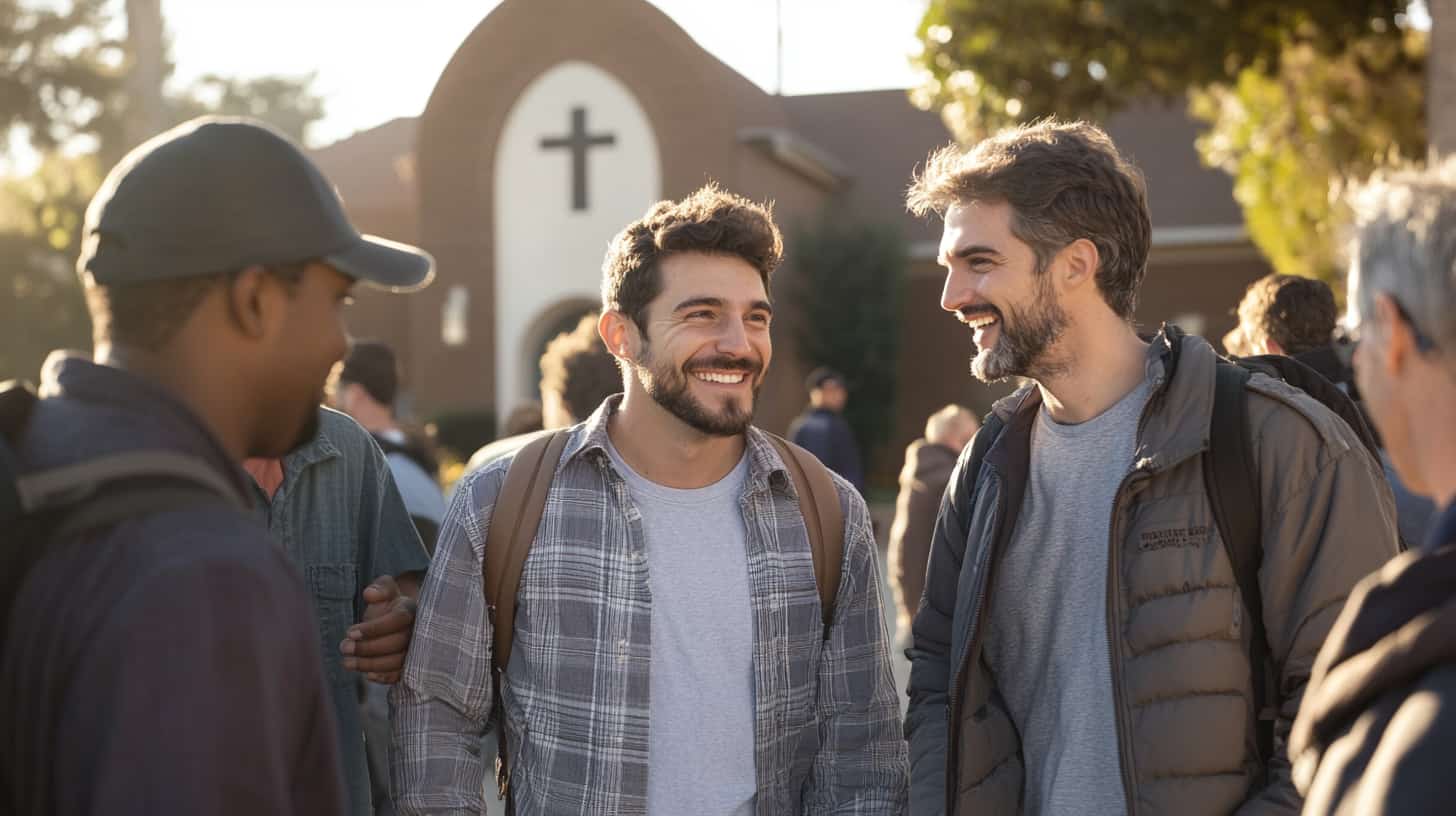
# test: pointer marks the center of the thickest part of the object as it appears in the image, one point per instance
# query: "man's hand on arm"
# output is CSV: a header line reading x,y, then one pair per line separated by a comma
x,y
376,646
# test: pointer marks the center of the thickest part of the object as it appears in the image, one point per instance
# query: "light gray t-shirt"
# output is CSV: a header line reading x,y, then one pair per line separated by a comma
x,y
1047,641
700,742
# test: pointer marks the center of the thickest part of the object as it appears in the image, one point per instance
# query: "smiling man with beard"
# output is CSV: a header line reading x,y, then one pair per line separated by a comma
x,y
669,652
1082,644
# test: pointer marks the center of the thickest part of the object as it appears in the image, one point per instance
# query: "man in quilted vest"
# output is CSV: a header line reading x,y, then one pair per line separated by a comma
x,y
1083,645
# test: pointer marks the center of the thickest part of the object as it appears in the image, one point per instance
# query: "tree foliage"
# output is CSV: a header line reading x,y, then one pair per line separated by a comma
x,y
58,69
1298,94
1292,139
62,79
992,63
844,284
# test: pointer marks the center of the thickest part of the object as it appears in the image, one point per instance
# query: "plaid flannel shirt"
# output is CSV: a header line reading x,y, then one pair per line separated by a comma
x,y
827,729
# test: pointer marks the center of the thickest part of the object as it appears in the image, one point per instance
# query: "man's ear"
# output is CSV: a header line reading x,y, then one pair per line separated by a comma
x,y
620,335
1078,264
246,296
1398,341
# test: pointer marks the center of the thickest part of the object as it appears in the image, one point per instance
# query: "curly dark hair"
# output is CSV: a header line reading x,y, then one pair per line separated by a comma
x,y
711,221
1297,313
1064,181
578,366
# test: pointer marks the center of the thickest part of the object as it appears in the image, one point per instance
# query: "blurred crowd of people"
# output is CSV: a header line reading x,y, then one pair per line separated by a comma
x,y
1157,578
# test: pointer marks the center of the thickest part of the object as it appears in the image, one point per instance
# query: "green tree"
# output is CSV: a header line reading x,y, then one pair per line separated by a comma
x,y
64,80
1292,139
1298,94
58,70
844,284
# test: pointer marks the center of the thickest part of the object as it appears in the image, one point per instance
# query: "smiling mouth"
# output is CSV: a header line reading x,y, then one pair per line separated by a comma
x,y
980,322
721,377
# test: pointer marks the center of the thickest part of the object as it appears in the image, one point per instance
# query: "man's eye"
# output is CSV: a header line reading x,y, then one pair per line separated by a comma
x,y
700,315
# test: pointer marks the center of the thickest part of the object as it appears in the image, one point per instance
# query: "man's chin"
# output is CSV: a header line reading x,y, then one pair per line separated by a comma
x,y
986,368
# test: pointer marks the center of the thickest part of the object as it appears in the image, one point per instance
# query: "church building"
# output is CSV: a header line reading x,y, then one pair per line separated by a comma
x,y
558,122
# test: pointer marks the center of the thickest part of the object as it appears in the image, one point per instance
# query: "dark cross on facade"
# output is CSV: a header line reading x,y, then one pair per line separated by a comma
x,y
578,141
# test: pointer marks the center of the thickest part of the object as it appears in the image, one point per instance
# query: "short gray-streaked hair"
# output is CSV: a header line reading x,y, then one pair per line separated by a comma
x,y
1405,245
944,423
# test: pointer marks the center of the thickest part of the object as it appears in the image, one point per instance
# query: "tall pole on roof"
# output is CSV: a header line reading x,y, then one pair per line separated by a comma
x,y
779,48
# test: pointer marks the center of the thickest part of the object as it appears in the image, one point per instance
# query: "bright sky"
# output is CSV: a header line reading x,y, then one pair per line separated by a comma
x,y
379,59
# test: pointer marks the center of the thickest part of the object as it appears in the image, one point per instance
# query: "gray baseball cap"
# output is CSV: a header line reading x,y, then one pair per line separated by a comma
x,y
217,194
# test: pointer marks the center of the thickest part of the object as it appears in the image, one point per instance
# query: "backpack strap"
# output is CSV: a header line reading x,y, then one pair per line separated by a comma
x,y
825,525
1232,479
514,521
70,484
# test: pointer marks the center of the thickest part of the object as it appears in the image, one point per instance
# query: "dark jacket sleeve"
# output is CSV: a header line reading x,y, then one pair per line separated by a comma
x,y
926,726
205,694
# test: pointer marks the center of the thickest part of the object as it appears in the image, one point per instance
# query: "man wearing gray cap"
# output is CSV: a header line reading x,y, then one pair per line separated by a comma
x,y
157,658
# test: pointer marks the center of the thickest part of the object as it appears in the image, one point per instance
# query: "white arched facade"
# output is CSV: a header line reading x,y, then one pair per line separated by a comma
x,y
577,161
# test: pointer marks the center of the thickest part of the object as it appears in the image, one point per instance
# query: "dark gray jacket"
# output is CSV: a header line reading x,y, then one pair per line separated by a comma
x,y
168,664
1378,726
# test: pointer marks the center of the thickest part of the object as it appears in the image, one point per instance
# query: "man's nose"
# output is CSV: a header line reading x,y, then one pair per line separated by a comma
x,y
733,338
957,292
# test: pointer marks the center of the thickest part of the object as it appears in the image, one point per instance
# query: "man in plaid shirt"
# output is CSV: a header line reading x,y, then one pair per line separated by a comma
x,y
669,653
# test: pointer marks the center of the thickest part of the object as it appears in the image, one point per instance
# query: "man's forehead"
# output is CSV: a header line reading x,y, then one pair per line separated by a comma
x,y
729,278
971,220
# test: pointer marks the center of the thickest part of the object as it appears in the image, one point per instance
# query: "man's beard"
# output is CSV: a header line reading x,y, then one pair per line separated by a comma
x,y
670,388
1022,348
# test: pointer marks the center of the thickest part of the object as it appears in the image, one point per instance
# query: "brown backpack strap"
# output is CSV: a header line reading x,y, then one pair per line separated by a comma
x,y
823,519
514,521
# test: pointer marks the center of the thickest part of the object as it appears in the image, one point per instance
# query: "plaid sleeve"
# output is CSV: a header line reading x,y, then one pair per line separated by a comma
x,y
439,709
862,766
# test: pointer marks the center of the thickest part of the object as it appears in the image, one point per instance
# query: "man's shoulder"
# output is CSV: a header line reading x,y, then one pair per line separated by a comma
x,y
343,432
502,450
1291,421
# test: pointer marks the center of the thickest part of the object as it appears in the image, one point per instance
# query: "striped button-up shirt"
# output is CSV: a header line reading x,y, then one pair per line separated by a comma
x,y
827,731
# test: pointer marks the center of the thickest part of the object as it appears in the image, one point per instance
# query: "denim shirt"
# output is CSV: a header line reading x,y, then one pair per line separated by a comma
x,y
340,519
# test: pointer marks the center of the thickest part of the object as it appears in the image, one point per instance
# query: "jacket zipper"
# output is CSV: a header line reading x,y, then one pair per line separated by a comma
x,y
1124,753
959,682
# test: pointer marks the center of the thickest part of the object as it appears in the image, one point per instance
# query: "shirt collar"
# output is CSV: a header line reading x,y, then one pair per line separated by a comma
x,y
316,450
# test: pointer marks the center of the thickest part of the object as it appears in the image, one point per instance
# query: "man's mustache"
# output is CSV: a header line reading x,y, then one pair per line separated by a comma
x,y
726,364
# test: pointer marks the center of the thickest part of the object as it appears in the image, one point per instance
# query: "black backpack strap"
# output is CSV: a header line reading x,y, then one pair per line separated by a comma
x,y
1232,480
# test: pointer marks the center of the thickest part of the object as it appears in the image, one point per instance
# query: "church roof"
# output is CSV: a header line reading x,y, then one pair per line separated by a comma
x,y
862,146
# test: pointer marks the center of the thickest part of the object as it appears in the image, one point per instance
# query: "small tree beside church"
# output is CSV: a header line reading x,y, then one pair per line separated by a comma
x,y
844,283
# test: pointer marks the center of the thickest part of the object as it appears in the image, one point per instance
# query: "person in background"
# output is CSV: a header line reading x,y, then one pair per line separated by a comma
x,y
822,429
365,386
333,508
1295,316
524,419
577,375
928,465
1376,732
